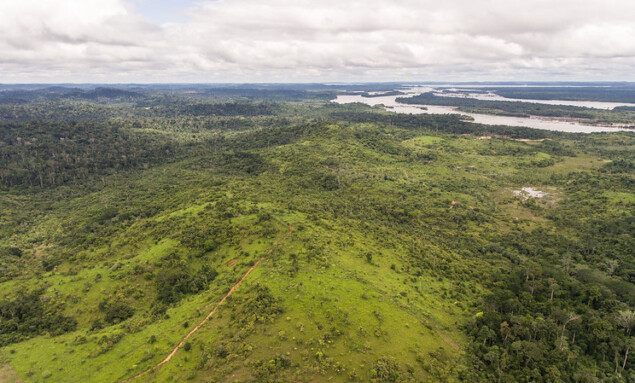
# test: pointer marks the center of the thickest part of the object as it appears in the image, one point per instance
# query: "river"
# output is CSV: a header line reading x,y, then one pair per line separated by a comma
x,y
494,97
554,124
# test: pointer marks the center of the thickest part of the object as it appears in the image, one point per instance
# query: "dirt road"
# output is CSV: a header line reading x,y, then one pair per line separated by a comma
x,y
211,313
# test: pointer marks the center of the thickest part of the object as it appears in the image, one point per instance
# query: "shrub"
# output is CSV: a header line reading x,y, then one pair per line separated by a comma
x,y
222,352
385,370
9,251
117,312
172,284
30,314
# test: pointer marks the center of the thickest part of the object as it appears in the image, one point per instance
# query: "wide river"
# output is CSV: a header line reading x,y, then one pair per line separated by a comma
x,y
494,97
391,104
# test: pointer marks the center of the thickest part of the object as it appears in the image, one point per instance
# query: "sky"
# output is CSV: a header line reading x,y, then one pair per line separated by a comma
x,y
161,41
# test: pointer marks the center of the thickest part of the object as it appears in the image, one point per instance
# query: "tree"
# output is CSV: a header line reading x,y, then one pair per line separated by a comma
x,y
626,319
553,285
572,317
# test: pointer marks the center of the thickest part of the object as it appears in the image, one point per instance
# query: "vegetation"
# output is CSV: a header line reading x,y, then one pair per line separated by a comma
x,y
391,248
615,92
621,115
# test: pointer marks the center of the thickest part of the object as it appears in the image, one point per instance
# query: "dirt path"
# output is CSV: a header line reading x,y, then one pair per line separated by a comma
x,y
8,375
211,313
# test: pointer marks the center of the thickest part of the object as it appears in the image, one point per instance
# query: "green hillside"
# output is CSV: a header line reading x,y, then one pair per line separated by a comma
x,y
391,248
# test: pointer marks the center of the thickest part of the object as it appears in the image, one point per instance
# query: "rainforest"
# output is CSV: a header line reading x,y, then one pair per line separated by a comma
x,y
262,233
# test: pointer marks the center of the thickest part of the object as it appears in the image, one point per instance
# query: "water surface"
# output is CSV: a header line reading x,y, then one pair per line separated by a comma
x,y
391,104
494,97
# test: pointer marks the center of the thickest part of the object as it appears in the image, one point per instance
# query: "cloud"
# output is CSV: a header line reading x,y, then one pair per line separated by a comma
x,y
327,40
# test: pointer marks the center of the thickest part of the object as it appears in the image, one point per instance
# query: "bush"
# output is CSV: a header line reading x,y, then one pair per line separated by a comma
x,y
172,284
210,245
97,325
385,370
8,251
29,314
117,312
222,352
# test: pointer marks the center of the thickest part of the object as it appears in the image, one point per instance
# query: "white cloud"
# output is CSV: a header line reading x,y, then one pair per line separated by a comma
x,y
327,40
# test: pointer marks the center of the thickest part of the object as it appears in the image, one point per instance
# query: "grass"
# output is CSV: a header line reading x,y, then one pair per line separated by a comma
x,y
400,199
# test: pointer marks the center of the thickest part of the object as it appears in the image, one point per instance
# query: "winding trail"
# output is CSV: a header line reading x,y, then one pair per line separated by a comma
x,y
211,313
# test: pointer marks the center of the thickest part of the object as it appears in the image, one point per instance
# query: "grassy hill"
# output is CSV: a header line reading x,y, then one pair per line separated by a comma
x,y
390,251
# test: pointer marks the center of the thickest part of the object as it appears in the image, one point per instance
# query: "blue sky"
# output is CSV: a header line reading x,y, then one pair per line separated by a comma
x,y
162,11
